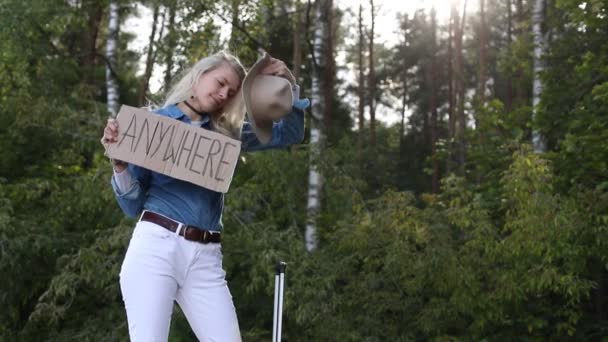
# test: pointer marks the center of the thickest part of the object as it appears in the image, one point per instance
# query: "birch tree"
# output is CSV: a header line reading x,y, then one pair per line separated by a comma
x,y
112,43
315,178
539,50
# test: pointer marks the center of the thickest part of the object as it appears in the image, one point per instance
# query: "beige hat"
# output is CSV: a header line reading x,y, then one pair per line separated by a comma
x,y
267,99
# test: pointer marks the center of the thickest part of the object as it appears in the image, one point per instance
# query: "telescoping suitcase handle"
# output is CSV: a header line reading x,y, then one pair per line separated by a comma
x,y
279,283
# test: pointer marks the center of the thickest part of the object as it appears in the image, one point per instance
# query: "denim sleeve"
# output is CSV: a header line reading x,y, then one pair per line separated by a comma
x,y
132,200
287,131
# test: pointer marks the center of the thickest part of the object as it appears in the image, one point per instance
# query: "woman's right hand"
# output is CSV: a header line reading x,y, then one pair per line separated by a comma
x,y
110,136
110,133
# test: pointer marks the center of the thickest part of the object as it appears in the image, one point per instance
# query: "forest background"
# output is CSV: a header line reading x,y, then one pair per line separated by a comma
x,y
480,212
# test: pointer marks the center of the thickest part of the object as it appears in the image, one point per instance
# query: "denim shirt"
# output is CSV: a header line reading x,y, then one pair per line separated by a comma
x,y
189,203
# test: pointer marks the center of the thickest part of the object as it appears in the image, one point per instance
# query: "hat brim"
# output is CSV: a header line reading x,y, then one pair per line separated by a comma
x,y
261,128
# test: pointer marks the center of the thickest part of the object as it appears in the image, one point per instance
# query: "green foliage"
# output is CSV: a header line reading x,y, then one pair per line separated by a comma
x,y
82,300
516,249
263,217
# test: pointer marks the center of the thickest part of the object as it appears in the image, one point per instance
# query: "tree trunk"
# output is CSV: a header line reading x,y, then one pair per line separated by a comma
x,y
404,102
328,74
460,86
171,43
481,78
520,89
538,18
112,43
372,79
520,15
433,103
143,89
315,178
89,59
297,41
451,99
234,39
509,100
481,83
403,110
361,88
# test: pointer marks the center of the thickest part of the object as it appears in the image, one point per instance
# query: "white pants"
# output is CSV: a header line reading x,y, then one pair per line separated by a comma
x,y
162,267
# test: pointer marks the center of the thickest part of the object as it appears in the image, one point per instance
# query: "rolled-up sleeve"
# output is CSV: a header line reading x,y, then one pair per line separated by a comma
x,y
131,201
287,131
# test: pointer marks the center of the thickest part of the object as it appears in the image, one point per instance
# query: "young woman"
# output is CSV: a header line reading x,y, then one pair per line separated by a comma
x,y
175,253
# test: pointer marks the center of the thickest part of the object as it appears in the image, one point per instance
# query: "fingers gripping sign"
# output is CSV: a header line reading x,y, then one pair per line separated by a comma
x,y
110,136
110,132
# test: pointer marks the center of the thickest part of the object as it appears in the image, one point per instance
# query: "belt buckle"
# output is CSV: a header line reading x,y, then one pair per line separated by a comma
x,y
204,237
180,227
142,215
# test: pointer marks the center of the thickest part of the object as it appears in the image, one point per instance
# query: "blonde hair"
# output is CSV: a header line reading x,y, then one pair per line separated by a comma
x,y
228,120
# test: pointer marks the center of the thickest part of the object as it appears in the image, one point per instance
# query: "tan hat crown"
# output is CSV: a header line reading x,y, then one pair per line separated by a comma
x,y
267,99
271,97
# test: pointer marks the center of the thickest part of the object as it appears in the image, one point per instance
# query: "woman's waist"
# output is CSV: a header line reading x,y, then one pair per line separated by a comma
x,y
190,212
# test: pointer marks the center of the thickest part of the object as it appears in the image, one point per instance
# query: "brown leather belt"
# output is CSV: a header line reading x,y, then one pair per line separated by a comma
x,y
191,233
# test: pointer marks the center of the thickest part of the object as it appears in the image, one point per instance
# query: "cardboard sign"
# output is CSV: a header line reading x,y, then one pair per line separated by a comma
x,y
176,149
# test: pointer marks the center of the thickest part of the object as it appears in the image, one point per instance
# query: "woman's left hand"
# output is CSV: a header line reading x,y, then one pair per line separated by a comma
x,y
277,67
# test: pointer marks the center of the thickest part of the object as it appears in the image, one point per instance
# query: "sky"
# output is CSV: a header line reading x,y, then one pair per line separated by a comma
x,y
385,29
386,23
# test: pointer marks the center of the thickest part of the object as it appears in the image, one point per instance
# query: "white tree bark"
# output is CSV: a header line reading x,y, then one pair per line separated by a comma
x,y
315,178
111,82
538,18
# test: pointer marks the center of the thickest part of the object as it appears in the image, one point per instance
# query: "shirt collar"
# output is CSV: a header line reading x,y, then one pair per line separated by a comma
x,y
174,112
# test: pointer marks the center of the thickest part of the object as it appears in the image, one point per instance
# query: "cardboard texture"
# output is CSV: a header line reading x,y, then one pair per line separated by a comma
x,y
175,149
